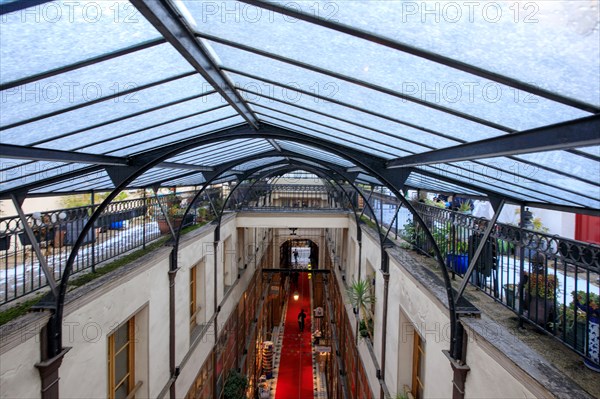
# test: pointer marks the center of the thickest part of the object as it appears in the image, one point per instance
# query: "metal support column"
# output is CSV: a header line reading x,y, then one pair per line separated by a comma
x,y
36,246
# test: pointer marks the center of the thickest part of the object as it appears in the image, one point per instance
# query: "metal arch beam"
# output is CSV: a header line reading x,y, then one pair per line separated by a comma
x,y
567,135
370,163
330,23
317,171
336,170
183,166
175,30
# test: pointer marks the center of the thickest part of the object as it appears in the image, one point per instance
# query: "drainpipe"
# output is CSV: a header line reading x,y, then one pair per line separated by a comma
x,y
172,274
357,311
215,306
386,283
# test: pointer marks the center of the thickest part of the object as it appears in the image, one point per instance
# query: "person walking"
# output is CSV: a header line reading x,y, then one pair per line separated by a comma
x,y
296,257
301,317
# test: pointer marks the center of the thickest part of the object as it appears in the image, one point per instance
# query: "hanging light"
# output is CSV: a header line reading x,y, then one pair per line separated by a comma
x,y
296,295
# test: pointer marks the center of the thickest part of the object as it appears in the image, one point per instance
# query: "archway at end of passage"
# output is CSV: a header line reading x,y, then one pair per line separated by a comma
x,y
299,253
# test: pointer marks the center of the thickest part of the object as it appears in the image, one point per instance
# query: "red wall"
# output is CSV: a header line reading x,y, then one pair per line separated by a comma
x,y
587,228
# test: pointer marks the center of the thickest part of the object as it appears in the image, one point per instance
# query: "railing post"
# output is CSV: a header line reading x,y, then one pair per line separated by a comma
x,y
92,201
521,266
144,220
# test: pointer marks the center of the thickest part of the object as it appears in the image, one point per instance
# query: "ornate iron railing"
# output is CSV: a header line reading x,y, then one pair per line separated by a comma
x,y
286,196
122,227
548,280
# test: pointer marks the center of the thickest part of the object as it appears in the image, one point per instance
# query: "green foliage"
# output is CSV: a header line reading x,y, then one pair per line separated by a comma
x,y
17,311
465,206
401,395
368,222
361,296
542,286
235,385
539,226
461,247
590,301
76,201
408,233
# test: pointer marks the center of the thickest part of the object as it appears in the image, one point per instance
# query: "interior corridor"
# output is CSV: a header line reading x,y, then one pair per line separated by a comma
x,y
295,374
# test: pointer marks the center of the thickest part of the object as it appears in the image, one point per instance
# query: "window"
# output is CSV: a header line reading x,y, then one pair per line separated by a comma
x,y
418,369
121,361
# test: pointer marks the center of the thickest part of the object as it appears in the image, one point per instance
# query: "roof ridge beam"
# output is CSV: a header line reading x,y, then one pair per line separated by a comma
x,y
566,135
45,154
175,30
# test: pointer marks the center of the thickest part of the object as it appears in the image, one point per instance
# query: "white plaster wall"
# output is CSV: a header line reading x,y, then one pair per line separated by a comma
x,y
296,219
487,378
18,377
430,320
86,329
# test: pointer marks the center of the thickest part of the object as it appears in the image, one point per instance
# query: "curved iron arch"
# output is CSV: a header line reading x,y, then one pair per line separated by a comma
x,y
152,158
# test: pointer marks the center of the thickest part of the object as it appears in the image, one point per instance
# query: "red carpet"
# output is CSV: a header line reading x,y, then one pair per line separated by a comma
x,y
295,377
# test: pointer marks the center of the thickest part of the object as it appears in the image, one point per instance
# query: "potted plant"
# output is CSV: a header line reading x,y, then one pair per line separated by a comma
x,y
361,297
511,291
571,321
589,303
175,214
540,296
235,385
458,259
465,207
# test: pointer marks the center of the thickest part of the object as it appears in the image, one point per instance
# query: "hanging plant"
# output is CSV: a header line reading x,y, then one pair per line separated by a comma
x,y
235,385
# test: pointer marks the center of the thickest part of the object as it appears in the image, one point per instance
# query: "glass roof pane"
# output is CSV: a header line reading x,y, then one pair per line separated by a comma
x,y
87,138
261,95
315,153
217,153
170,138
106,110
56,34
498,170
368,178
390,143
156,174
194,180
385,67
594,150
524,188
351,94
510,170
334,136
419,181
552,44
91,83
569,163
7,164
99,180
256,163
37,171
160,133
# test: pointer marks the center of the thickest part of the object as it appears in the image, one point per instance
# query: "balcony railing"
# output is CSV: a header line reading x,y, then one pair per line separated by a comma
x,y
122,227
550,281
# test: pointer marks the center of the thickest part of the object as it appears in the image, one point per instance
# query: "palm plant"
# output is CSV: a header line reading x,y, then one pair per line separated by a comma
x,y
361,297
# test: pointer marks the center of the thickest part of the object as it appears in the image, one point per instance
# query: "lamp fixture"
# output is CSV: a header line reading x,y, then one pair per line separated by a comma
x,y
296,295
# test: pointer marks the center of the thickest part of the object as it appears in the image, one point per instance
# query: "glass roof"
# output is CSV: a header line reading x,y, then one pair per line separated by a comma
x,y
345,85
